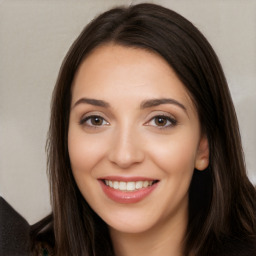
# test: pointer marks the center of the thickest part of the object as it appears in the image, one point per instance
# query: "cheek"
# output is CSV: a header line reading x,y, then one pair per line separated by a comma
x,y
176,154
84,151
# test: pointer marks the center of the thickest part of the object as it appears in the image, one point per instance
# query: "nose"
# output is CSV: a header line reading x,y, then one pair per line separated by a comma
x,y
126,149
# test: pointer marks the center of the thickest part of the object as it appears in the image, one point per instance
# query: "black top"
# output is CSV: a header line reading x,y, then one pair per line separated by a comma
x,y
14,231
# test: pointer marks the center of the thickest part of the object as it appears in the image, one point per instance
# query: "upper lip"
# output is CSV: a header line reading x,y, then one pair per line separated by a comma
x,y
126,179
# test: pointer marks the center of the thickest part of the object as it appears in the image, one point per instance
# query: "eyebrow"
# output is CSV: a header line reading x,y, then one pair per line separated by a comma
x,y
145,104
157,102
94,102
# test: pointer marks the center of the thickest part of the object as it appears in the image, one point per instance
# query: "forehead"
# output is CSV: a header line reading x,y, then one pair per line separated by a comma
x,y
111,70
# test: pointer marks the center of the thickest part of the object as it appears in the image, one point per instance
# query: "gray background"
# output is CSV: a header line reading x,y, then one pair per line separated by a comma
x,y
34,37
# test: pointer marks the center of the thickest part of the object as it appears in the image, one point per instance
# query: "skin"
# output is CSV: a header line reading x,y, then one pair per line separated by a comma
x,y
129,141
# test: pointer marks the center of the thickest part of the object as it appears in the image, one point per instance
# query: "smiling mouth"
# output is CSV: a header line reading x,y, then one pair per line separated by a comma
x,y
128,190
129,186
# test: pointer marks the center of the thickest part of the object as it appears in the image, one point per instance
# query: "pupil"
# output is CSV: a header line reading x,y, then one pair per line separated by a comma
x,y
97,121
161,121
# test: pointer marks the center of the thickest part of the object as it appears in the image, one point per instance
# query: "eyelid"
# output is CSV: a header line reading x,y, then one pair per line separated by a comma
x,y
173,121
91,115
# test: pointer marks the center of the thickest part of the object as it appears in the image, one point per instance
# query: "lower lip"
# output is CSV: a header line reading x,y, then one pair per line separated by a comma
x,y
124,197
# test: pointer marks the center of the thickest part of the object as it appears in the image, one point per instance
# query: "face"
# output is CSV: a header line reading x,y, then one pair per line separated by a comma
x,y
134,139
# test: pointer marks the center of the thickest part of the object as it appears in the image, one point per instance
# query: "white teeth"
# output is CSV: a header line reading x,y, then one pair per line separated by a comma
x,y
145,184
116,185
139,184
128,186
131,186
122,185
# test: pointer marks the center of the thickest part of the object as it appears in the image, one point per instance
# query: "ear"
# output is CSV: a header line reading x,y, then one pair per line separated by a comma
x,y
202,157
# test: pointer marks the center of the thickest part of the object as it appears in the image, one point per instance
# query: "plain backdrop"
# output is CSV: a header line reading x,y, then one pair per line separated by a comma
x,y
34,38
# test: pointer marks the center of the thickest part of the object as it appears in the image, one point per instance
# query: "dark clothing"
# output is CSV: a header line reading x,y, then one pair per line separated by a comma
x,y
15,240
14,232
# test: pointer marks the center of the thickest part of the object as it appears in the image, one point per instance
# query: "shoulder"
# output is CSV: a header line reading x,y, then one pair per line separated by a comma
x,y
14,231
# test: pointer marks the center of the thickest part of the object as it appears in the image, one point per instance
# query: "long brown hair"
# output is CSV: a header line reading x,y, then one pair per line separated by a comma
x,y
221,199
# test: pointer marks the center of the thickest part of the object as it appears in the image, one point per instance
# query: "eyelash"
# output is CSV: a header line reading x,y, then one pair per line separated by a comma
x,y
84,120
171,120
165,118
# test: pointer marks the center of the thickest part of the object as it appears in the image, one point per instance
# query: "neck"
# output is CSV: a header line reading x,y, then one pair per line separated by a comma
x,y
165,240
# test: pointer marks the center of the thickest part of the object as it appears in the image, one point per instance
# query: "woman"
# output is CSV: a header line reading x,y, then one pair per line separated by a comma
x,y
144,150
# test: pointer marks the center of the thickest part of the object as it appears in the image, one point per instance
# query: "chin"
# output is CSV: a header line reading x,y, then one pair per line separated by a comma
x,y
130,221
130,227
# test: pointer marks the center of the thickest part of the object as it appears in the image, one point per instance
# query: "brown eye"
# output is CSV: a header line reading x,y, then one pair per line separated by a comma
x,y
94,121
162,121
